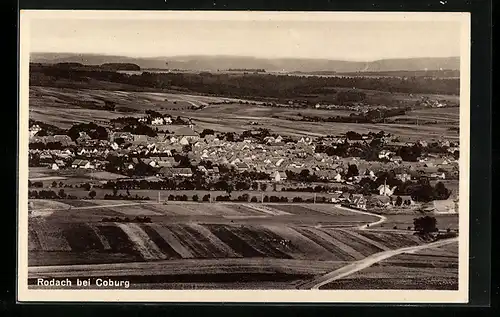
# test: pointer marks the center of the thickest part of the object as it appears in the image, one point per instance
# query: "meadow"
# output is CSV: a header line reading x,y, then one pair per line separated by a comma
x,y
46,104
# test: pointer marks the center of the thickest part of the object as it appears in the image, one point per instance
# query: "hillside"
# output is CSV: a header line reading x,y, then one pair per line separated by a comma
x,y
214,63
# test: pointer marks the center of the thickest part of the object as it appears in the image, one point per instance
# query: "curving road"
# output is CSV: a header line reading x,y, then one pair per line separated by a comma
x,y
365,226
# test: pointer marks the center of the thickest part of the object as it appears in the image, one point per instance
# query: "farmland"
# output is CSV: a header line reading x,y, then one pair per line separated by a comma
x,y
46,104
433,267
193,245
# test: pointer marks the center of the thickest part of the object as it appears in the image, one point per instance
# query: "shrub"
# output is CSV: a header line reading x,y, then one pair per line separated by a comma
x,y
254,199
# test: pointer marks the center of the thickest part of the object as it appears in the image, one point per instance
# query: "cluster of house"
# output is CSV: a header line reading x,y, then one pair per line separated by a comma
x,y
272,155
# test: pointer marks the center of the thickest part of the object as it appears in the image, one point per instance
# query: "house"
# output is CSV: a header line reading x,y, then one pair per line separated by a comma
x,y
404,177
54,167
397,159
81,164
157,121
166,162
242,166
176,171
438,175
379,201
384,154
279,176
358,201
186,132
34,129
60,163
386,190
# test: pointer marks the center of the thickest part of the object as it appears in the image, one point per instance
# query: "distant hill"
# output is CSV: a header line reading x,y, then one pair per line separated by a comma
x,y
214,63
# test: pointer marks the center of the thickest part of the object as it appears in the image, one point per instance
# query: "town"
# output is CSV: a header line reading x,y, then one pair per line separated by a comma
x,y
158,152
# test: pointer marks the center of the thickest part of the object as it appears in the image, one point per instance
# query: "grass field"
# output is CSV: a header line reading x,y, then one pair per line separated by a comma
x,y
403,221
46,104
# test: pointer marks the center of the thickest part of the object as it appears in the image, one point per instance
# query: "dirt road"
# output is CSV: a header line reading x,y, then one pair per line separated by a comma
x,y
368,261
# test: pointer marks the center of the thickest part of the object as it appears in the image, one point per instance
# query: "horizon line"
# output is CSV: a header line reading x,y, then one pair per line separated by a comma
x,y
249,56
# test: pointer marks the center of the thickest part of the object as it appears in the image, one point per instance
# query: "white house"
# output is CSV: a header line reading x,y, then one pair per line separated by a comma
x,y
34,130
384,154
386,190
279,176
157,121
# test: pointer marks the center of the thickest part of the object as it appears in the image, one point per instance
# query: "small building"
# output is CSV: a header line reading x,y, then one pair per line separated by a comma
x,y
279,176
358,201
386,190
397,159
242,166
174,172
81,164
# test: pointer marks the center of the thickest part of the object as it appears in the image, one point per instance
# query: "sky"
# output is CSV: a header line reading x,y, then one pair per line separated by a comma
x,y
265,38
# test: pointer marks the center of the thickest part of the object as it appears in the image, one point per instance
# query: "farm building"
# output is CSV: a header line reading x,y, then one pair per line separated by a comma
x,y
173,172
380,201
81,164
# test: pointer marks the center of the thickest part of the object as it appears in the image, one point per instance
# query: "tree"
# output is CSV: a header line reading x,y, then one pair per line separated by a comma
x,y
399,201
229,189
423,192
206,197
441,192
195,197
254,199
263,187
92,194
61,193
115,191
352,171
255,186
54,184
425,224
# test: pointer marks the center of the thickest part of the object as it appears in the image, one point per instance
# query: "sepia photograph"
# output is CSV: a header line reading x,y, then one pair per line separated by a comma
x,y
243,156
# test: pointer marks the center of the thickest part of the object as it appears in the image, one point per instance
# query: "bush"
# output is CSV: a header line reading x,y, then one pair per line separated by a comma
x,y
171,197
206,197
266,199
425,224
195,197
297,199
254,199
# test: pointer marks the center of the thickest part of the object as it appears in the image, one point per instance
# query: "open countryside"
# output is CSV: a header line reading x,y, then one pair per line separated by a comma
x,y
243,179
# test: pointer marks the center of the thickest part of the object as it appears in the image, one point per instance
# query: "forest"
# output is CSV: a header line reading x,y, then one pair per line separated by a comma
x,y
277,87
